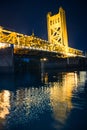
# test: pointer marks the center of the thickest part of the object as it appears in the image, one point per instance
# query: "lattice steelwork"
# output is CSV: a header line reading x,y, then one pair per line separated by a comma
x,y
57,38
57,31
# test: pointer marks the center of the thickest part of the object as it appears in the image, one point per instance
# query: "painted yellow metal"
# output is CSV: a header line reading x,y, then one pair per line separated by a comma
x,y
56,27
57,33
57,37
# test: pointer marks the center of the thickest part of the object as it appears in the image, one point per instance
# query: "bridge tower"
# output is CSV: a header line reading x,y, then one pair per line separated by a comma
x,y
57,30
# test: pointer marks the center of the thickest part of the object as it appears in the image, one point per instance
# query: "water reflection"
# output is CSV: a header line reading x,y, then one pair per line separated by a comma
x,y
49,102
61,94
4,107
4,103
82,78
44,78
60,97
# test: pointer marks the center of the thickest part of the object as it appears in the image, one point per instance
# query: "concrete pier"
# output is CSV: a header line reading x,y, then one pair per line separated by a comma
x,y
6,60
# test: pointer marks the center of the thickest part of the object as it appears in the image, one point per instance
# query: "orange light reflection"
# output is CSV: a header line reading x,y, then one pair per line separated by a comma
x,y
4,103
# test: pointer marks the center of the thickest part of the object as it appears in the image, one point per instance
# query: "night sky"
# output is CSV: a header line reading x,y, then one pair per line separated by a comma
x,y
27,16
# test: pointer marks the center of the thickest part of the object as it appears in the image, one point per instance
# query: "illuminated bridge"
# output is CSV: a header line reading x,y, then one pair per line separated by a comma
x,y
57,43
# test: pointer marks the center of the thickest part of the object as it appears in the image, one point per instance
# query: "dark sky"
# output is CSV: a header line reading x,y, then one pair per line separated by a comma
x,y
26,16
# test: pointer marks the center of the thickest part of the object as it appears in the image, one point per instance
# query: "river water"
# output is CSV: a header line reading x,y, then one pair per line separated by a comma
x,y
49,100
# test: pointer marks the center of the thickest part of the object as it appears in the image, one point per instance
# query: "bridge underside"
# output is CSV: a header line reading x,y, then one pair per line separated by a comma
x,y
30,53
35,60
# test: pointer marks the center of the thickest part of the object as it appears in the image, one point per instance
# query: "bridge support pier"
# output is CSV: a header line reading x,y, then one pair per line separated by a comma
x,y
6,60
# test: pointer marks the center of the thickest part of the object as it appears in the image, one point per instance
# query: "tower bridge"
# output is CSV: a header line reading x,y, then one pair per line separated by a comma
x,y
57,39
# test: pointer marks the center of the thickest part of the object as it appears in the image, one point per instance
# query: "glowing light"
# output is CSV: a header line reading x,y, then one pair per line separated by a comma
x,y
43,59
4,45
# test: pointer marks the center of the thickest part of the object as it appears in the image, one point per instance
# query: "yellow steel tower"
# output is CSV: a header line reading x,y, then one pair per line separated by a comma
x,y
57,30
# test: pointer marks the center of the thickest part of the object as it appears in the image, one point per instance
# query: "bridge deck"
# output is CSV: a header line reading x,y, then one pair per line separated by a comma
x,y
23,43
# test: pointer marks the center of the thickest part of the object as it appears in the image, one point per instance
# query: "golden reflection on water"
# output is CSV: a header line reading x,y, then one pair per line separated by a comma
x,y
4,107
28,102
4,103
59,93
44,77
61,96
